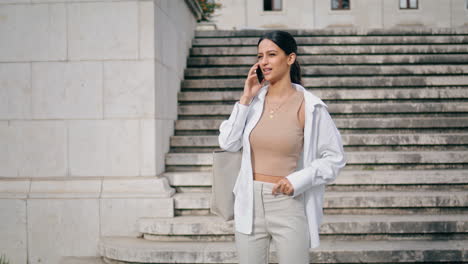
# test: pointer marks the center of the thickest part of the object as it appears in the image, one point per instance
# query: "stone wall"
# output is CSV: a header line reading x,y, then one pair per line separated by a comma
x,y
317,14
88,99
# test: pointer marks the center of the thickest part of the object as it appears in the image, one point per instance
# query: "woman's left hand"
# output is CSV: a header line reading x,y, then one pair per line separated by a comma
x,y
283,186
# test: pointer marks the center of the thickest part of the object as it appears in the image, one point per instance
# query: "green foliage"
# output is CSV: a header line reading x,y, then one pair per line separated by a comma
x,y
208,8
4,260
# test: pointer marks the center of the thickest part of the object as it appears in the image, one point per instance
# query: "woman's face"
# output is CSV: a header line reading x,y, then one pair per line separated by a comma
x,y
273,61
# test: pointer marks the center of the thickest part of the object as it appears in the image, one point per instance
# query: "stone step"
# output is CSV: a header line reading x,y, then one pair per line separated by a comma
x,y
186,225
343,82
341,49
342,70
82,260
349,177
351,123
347,148
402,177
340,32
344,108
352,157
342,94
337,40
392,199
342,59
189,178
350,140
367,199
352,149
195,200
143,251
332,225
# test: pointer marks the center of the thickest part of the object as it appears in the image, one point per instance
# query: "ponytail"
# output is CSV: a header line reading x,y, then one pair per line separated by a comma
x,y
295,72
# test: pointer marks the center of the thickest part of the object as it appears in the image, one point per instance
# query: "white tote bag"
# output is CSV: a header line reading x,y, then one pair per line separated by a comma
x,y
226,166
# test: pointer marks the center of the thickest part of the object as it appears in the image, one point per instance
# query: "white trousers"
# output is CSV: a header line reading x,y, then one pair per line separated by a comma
x,y
279,218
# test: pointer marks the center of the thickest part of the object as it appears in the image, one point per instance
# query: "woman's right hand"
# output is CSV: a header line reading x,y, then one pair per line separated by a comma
x,y
251,86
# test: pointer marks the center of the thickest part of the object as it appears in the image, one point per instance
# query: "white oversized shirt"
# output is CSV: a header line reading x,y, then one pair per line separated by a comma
x,y
320,161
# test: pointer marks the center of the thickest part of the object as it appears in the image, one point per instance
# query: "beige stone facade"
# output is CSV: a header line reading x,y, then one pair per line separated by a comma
x,y
88,97
318,14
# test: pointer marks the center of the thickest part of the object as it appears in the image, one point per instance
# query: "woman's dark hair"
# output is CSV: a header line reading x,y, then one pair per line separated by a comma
x,y
286,42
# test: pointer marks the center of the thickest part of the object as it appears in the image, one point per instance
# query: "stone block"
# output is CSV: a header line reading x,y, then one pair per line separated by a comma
x,y
61,227
189,159
169,45
33,149
191,22
192,200
208,124
326,17
431,13
171,9
7,161
189,178
104,147
82,260
195,141
186,226
14,188
168,85
160,22
103,30
65,188
157,3
42,148
129,89
164,130
173,89
137,187
67,90
459,15
164,5
161,91
13,242
33,32
147,29
119,216
15,92
181,56
148,147
232,12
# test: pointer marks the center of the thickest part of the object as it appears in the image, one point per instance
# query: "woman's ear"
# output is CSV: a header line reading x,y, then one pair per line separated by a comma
x,y
291,58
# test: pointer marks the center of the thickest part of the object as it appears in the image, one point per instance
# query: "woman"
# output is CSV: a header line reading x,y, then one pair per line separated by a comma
x,y
291,149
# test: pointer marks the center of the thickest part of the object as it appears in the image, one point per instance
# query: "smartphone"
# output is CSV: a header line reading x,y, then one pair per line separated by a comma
x,y
259,75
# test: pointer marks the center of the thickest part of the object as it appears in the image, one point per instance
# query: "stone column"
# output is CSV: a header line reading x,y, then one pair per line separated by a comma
x,y
88,100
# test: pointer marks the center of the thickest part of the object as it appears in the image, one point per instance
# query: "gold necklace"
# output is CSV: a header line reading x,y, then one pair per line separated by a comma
x,y
272,110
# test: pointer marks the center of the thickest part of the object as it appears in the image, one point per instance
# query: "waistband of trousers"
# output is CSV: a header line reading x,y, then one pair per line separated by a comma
x,y
263,186
267,188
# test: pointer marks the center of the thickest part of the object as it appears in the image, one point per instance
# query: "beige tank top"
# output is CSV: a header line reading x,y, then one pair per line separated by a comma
x,y
276,143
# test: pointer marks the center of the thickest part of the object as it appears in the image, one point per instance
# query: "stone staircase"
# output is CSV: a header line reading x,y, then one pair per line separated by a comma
x,y
400,100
